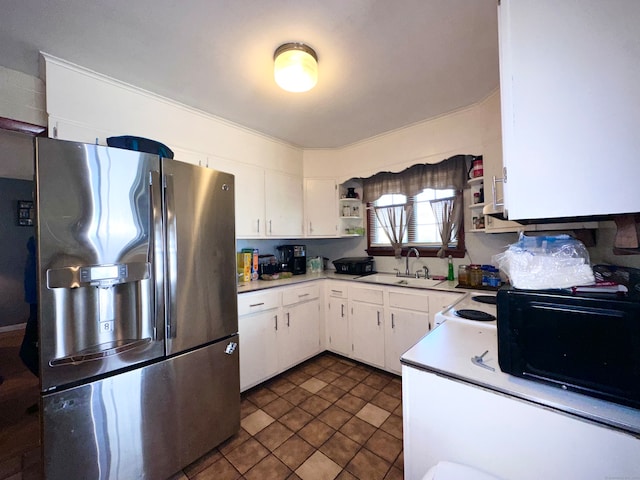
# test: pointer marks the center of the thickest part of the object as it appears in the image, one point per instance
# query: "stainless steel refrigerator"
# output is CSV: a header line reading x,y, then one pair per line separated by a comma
x,y
137,311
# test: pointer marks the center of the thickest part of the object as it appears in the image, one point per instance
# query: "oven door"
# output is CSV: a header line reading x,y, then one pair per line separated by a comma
x,y
587,345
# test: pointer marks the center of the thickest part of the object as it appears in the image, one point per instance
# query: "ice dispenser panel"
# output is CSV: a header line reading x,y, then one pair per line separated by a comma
x,y
99,312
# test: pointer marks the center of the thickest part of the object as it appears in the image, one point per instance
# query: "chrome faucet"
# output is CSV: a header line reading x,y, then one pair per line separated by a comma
x,y
414,250
426,271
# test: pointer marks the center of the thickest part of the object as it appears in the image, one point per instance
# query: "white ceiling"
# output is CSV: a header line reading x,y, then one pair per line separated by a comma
x,y
383,64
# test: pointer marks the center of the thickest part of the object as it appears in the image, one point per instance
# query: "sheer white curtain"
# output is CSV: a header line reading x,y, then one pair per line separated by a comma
x,y
448,213
394,220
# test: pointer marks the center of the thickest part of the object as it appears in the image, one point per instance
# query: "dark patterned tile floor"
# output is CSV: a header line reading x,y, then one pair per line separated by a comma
x,y
328,418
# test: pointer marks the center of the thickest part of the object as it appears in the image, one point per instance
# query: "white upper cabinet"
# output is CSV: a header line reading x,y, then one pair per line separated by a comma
x,y
570,91
249,196
268,204
283,205
320,207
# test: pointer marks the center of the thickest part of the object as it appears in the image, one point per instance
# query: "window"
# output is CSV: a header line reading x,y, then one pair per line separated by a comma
x,y
412,192
422,231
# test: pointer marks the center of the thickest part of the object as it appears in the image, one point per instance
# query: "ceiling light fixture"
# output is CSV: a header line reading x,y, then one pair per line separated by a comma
x,y
295,67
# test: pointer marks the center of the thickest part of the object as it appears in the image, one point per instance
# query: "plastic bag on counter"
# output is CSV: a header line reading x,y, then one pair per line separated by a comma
x,y
543,262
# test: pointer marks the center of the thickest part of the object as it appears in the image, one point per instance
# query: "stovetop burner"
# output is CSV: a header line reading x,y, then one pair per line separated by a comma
x,y
488,299
475,315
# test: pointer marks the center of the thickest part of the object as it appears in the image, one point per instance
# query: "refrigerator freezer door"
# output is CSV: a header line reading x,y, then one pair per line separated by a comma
x,y
201,263
146,423
95,259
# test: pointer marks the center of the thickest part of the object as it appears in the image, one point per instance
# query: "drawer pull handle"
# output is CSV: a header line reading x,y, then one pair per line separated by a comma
x,y
256,304
393,323
303,295
378,313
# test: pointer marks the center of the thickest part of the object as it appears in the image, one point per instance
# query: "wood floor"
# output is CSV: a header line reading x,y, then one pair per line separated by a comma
x,y
19,430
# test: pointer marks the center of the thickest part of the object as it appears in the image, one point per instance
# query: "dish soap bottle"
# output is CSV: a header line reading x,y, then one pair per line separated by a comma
x,y
450,272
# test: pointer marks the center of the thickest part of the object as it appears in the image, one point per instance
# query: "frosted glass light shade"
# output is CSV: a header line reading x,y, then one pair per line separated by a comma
x,y
295,67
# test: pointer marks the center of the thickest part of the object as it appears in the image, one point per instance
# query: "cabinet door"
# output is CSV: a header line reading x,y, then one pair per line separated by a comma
x,y
283,204
249,196
570,84
404,329
75,132
193,158
338,326
492,160
320,197
367,333
258,346
299,336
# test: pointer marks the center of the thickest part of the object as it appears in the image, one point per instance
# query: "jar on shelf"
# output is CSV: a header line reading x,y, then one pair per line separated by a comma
x,y
346,211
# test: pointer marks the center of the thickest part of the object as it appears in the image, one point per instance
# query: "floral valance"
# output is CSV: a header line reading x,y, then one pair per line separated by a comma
x,y
450,173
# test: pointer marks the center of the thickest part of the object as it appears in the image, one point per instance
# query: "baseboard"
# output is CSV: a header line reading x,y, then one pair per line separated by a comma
x,y
11,328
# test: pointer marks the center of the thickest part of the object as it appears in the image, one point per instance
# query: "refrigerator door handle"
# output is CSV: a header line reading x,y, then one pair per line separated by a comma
x,y
155,250
172,255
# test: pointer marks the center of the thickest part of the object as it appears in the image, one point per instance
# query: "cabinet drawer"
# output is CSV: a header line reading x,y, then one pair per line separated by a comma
x,y
337,291
300,294
368,295
409,301
257,302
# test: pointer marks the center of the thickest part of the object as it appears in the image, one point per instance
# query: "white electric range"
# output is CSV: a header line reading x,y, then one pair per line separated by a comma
x,y
475,307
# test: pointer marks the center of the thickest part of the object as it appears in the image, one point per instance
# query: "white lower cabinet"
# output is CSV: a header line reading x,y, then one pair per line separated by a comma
x,y
407,322
337,319
367,325
299,336
278,328
259,317
258,347
449,417
283,326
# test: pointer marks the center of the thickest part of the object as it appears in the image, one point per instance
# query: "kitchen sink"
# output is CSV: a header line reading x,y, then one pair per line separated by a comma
x,y
390,279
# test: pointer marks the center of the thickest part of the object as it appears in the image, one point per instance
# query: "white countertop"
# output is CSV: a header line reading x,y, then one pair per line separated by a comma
x,y
448,349
252,286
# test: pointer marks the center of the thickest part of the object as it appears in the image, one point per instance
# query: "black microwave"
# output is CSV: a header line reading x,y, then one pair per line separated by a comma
x,y
584,343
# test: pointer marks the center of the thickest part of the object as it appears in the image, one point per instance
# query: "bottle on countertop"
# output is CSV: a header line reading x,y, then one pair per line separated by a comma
x,y
450,275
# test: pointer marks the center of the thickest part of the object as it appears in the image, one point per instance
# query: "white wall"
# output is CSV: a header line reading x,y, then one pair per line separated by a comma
x,y
84,105
426,142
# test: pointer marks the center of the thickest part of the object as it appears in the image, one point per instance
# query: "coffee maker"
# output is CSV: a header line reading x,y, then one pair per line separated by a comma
x,y
293,258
